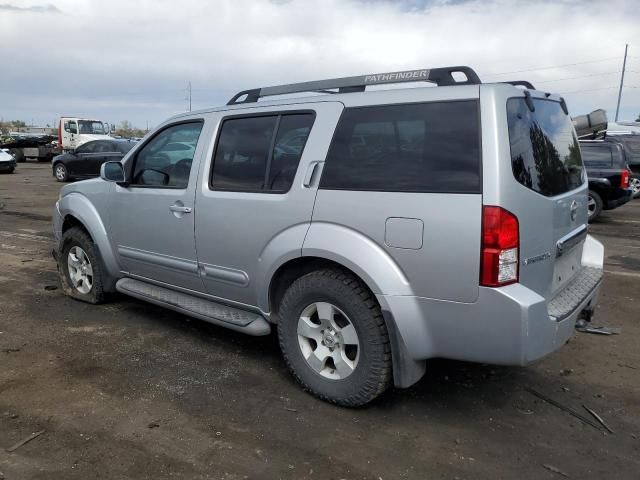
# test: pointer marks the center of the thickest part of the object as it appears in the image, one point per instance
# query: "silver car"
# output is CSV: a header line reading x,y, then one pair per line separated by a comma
x,y
374,229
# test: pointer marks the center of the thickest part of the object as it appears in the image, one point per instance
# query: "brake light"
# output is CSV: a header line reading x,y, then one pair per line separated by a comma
x,y
624,179
500,247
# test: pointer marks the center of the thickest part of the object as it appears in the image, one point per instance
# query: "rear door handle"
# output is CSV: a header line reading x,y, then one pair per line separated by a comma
x,y
180,209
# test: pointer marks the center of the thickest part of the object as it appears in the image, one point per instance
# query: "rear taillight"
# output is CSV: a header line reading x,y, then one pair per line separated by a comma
x,y
500,247
624,179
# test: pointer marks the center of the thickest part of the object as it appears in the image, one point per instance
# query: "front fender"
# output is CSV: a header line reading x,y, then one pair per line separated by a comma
x,y
359,254
80,207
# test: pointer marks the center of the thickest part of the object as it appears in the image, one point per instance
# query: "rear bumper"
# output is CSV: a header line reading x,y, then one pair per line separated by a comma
x,y
512,325
624,197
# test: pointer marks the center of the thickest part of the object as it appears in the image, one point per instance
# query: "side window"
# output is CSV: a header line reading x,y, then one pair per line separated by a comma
x,y
165,161
260,153
597,157
427,147
89,147
105,147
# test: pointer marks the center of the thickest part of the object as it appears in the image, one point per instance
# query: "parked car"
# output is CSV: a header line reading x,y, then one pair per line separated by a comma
x,y
608,175
631,145
7,161
86,160
410,224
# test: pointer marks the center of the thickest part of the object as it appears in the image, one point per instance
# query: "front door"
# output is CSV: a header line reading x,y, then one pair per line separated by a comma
x,y
257,192
152,219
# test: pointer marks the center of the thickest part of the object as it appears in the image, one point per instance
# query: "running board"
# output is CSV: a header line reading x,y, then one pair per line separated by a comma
x,y
212,312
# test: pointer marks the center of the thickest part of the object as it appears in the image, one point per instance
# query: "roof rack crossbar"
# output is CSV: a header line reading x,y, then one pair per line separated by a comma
x,y
521,83
439,76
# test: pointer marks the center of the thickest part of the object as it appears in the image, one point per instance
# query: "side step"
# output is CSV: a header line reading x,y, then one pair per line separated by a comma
x,y
212,312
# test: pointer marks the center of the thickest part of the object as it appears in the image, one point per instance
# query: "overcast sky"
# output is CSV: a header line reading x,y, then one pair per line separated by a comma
x,y
131,60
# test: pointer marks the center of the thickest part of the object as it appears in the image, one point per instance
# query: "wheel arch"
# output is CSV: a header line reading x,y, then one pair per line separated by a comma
x,y
406,371
77,210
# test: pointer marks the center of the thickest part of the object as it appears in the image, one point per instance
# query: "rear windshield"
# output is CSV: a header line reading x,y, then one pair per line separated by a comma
x,y
545,154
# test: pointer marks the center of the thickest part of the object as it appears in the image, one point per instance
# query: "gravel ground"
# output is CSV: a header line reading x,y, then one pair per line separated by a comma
x,y
129,390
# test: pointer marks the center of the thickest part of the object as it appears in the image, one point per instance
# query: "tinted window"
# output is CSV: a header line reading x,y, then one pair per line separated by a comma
x,y
545,154
105,147
596,157
160,163
249,157
89,147
428,147
124,147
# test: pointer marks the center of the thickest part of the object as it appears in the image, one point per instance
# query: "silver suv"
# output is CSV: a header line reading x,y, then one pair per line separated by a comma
x,y
373,229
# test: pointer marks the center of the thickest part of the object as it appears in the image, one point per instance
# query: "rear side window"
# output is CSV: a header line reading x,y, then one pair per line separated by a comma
x,y
545,154
426,147
260,154
596,157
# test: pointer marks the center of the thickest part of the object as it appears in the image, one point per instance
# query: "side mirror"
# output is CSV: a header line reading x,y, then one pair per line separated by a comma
x,y
112,172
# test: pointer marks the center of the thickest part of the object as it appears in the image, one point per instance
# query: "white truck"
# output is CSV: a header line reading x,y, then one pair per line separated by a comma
x,y
74,131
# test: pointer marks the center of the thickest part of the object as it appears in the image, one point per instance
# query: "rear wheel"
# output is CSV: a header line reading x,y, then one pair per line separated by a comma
x,y
334,339
594,205
79,267
634,183
60,172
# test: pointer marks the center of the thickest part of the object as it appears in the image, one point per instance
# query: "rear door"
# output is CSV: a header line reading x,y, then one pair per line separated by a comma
x,y
544,185
407,176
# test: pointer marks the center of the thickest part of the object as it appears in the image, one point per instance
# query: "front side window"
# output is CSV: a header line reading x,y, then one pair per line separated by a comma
x,y
89,147
165,161
260,154
545,154
425,147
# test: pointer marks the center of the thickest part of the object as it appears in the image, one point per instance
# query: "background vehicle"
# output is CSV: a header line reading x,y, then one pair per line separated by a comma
x,y
608,176
407,224
74,131
7,161
86,160
631,145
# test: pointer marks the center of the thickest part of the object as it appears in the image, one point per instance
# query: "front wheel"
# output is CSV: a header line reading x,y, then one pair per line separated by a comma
x,y
334,339
61,173
79,267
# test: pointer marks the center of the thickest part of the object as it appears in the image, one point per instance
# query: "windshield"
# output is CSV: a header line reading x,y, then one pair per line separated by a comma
x,y
91,127
545,154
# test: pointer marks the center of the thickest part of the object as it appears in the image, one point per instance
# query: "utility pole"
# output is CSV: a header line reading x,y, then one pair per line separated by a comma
x,y
189,92
624,66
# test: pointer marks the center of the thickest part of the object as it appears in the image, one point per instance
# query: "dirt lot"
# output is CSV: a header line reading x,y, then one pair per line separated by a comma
x,y
129,390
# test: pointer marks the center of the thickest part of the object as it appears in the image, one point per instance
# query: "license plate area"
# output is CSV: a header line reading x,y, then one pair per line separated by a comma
x,y
566,267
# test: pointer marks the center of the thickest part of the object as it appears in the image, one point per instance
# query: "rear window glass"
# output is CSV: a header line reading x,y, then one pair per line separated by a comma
x,y
426,147
596,157
545,154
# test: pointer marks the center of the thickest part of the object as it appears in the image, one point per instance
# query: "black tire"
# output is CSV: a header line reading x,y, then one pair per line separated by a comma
x,y
77,237
595,209
60,172
372,374
635,185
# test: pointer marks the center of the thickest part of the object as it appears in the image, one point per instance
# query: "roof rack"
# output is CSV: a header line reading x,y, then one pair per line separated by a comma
x,y
521,83
440,76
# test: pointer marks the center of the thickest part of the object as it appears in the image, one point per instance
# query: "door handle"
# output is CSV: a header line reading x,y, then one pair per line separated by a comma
x,y
311,173
180,209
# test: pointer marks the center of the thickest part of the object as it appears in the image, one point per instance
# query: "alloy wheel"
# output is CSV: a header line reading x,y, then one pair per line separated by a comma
x,y
80,270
